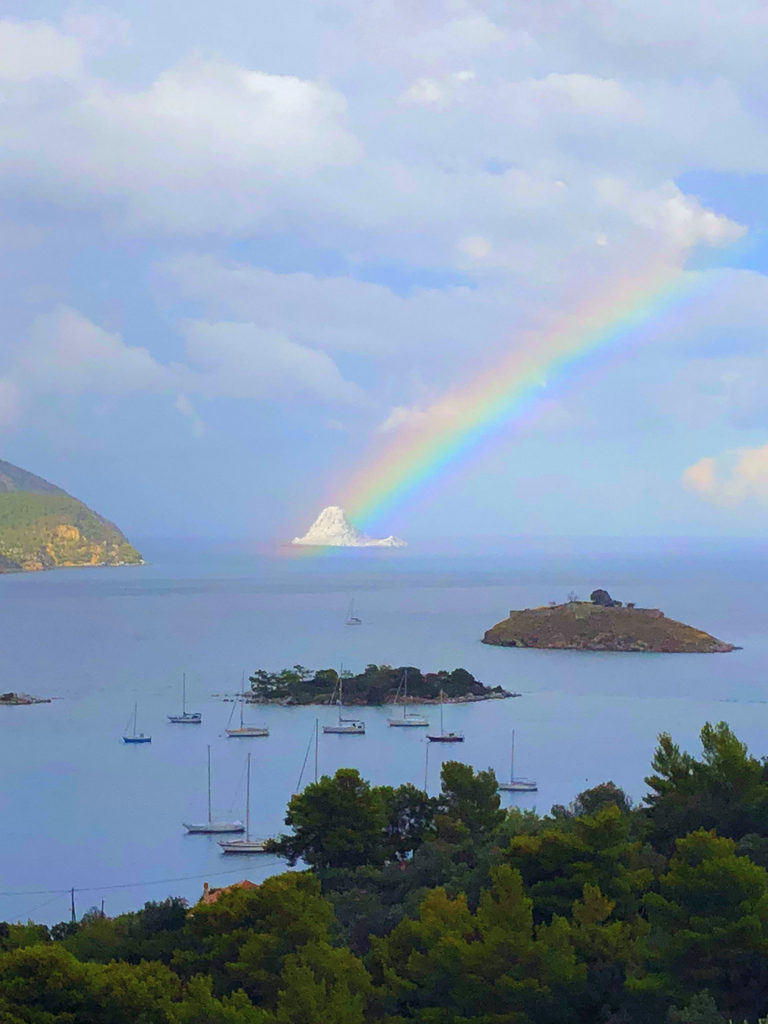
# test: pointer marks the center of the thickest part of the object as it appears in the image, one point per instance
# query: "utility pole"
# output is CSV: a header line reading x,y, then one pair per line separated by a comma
x,y
72,897
426,768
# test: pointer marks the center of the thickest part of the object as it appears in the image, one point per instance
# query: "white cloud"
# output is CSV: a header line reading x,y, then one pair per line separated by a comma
x,y
66,353
403,417
672,214
240,360
32,50
203,147
731,479
185,407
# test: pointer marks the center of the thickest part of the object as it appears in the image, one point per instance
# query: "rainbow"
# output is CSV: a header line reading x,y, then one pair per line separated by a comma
x,y
506,393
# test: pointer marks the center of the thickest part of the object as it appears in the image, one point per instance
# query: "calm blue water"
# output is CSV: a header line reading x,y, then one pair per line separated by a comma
x,y
80,808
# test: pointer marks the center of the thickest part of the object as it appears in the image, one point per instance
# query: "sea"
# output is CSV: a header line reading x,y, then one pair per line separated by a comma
x,y
89,820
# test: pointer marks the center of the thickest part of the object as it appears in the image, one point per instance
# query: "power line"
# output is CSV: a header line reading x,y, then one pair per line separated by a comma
x,y
131,885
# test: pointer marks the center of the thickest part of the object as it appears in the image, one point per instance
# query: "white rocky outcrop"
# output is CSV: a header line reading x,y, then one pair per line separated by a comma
x,y
333,529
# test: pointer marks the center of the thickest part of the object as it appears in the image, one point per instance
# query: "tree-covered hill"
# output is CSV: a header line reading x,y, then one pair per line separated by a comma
x,y
449,909
42,527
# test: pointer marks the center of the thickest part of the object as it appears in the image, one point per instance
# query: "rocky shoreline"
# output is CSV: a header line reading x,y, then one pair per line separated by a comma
x,y
288,702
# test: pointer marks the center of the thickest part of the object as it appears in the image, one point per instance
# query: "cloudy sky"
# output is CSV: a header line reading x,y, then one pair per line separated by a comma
x,y
246,246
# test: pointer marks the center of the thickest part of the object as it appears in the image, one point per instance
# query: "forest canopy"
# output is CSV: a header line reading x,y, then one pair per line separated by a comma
x,y
449,909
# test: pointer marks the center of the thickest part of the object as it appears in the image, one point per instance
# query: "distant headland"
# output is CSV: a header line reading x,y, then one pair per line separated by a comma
x,y
601,624
332,529
43,527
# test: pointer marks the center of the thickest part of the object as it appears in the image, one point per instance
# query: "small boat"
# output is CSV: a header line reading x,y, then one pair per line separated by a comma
x,y
516,785
443,736
246,845
245,731
410,719
352,619
213,827
186,717
346,726
135,737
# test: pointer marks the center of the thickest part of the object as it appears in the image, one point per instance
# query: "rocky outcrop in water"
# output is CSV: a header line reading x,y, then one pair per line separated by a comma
x,y
332,529
590,626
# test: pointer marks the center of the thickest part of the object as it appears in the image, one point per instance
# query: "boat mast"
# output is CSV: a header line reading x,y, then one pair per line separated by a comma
x,y
512,759
442,730
317,740
135,711
405,692
242,700
248,800
183,693
209,784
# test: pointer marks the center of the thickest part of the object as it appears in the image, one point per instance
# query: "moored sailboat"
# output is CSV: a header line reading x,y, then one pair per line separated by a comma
x,y
346,726
133,736
352,619
186,717
410,719
516,785
246,845
213,827
245,731
443,736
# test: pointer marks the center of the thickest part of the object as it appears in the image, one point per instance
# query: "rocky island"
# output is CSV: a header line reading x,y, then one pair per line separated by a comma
x,y
21,699
332,529
601,624
43,527
378,684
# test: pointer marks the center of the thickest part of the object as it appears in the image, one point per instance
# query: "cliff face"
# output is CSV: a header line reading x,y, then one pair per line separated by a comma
x,y
581,625
43,527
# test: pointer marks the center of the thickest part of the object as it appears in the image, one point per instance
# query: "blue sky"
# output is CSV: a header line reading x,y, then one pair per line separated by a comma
x,y
239,244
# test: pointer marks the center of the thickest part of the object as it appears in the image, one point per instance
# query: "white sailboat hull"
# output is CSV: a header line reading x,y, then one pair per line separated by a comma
x,y
248,730
190,718
518,786
409,723
215,827
243,845
345,730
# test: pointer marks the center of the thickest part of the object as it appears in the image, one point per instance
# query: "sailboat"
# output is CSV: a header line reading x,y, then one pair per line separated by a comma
x,y
186,717
246,845
443,736
410,719
346,726
212,826
352,619
135,737
516,785
244,731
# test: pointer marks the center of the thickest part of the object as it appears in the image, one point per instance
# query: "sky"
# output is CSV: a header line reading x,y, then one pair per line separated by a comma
x,y
248,249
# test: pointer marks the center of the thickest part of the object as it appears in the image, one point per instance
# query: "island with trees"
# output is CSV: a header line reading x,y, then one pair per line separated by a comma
x,y
448,908
376,685
601,624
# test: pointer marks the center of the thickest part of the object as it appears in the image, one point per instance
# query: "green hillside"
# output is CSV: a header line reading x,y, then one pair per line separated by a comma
x,y
43,527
